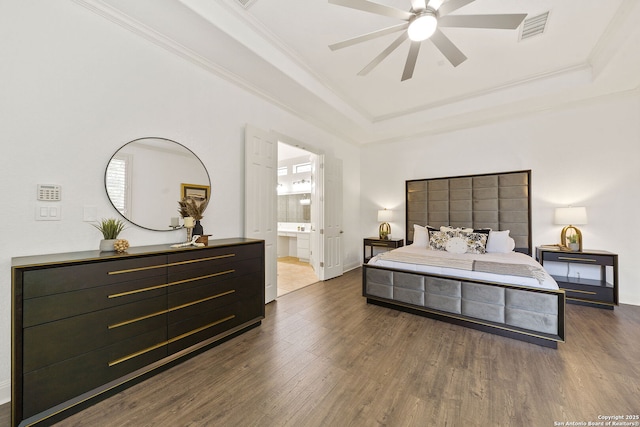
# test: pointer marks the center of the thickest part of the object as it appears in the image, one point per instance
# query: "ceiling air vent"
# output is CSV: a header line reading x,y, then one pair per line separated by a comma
x,y
246,3
534,26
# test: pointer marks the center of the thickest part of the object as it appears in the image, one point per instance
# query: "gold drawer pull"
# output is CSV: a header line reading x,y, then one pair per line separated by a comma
x,y
158,313
153,347
131,270
582,292
201,259
151,267
166,285
566,258
379,244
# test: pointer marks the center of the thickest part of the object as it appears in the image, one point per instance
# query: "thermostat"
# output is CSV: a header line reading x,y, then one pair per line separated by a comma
x,y
49,193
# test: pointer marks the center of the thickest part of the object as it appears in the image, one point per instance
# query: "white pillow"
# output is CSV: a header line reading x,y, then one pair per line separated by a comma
x,y
500,242
456,245
420,236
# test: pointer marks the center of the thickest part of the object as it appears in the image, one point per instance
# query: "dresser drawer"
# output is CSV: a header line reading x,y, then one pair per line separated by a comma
x,y
200,275
191,302
53,342
595,259
49,281
381,243
60,306
62,381
211,257
207,324
204,291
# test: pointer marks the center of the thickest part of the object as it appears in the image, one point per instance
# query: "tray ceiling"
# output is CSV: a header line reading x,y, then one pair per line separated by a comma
x,y
278,49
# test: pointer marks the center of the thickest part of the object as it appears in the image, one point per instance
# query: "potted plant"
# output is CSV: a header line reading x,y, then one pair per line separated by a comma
x,y
110,229
573,242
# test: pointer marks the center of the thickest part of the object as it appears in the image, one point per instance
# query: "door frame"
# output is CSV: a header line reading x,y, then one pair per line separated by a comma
x,y
261,199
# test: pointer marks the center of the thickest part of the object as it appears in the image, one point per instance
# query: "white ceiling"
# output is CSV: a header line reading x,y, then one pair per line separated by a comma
x,y
278,49
286,152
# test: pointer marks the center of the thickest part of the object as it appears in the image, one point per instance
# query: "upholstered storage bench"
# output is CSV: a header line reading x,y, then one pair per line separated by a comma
x,y
87,324
529,314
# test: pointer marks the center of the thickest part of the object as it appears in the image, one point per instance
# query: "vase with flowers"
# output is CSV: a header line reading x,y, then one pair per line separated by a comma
x,y
193,207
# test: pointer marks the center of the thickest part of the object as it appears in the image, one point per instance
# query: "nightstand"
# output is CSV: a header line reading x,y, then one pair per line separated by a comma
x,y
602,292
375,242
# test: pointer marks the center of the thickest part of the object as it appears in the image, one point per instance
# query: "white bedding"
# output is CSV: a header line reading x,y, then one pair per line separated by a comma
x,y
508,258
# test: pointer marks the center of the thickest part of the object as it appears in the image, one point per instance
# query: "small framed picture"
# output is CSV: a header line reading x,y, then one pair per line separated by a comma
x,y
194,190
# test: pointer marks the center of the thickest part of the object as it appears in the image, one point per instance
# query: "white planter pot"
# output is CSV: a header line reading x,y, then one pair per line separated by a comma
x,y
107,245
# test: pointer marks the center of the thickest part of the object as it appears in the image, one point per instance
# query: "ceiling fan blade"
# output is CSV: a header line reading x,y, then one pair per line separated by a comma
x,y
448,49
451,5
500,22
378,59
412,57
369,6
435,4
369,36
418,5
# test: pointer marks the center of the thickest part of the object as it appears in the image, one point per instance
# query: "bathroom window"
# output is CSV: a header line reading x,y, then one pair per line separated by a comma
x,y
282,171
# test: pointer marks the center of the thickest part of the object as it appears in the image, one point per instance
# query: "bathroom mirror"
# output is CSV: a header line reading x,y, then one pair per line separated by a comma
x,y
294,208
146,177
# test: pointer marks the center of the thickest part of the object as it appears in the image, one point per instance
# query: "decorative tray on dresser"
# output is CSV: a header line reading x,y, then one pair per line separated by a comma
x,y
85,325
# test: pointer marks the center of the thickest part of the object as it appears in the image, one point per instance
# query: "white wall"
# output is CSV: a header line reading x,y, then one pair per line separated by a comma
x,y
584,155
76,87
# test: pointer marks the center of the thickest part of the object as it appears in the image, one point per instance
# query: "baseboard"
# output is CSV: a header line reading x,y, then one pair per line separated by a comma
x,y
5,391
348,268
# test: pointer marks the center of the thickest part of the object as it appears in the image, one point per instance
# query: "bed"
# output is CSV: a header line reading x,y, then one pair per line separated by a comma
x,y
468,260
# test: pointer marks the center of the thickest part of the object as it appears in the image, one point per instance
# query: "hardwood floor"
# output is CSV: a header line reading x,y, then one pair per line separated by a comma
x,y
323,357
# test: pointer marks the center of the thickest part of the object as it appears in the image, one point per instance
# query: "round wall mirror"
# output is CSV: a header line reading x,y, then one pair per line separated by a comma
x,y
146,177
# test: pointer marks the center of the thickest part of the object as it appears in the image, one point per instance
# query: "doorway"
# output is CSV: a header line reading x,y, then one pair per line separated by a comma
x,y
296,219
261,213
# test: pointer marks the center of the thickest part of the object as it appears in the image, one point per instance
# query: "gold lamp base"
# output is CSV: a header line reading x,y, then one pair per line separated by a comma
x,y
385,230
576,235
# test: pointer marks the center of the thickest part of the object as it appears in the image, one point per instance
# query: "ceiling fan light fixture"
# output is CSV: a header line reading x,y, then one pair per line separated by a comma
x,y
422,26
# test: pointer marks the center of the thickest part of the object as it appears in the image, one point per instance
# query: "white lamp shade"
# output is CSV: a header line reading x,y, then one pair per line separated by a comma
x,y
385,215
571,215
422,27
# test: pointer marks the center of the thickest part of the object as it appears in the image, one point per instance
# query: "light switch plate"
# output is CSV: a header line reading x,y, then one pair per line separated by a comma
x,y
48,212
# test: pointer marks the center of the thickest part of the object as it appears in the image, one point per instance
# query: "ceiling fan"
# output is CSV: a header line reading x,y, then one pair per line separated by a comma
x,y
424,21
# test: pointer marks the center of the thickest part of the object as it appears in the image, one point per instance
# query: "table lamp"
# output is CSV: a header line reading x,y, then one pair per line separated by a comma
x,y
569,217
384,216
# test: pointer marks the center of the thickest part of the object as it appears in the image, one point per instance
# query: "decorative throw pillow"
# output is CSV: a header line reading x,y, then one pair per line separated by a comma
x,y
482,230
500,242
456,229
476,242
456,245
421,235
438,239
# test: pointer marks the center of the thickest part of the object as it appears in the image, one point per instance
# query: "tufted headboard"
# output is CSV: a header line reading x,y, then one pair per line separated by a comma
x,y
500,201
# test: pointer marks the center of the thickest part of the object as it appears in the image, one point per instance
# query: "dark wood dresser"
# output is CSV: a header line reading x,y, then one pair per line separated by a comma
x,y
88,324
